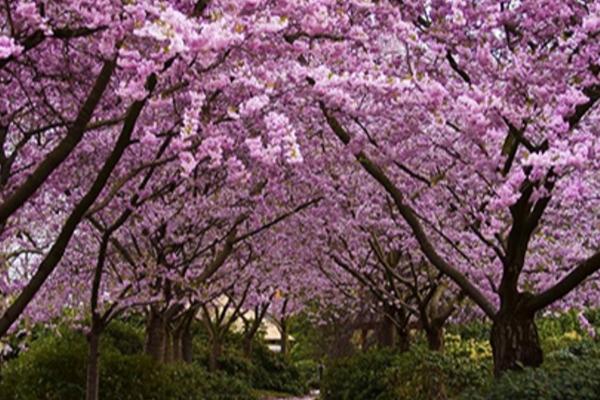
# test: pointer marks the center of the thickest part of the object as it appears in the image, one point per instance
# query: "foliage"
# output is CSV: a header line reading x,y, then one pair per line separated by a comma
x,y
309,372
126,337
273,371
264,369
421,374
478,330
362,376
570,373
571,369
54,368
416,374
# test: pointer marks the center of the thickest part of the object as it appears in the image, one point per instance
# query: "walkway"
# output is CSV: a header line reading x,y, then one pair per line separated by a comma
x,y
312,396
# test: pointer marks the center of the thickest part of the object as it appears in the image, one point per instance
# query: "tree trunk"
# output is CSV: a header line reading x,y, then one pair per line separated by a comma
x,y
435,337
247,346
215,354
284,339
178,347
174,346
515,342
156,336
402,338
187,343
170,345
93,364
385,332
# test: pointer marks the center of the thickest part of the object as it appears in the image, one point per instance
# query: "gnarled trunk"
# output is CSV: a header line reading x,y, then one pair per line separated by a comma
x,y
515,342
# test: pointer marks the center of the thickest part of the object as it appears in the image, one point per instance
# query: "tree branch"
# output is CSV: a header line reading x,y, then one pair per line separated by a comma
x,y
566,284
411,219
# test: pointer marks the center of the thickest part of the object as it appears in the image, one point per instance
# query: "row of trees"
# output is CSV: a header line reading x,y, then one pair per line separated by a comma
x,y
439,156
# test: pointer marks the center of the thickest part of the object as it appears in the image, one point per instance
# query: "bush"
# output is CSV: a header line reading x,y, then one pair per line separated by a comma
x,y
54,368
416,374
127,338
309,373
421,374
362,376
572,379
476,330
571,369
264,369
272,371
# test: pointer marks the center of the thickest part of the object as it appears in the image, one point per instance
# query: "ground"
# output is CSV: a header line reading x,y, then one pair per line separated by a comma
x,y
312,396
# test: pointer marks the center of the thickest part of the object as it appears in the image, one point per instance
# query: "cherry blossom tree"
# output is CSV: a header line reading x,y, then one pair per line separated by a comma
x,y
177,142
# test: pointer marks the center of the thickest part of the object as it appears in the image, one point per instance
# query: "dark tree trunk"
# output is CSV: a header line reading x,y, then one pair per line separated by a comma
x,y
174,351
250,334
435,337
178,345
93,366
402,338
215,354
515,342
156,336
187,343
284,339
169,355
247,346
385,332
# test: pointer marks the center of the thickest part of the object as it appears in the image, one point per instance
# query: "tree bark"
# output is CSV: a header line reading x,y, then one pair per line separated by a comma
x,y
284,338
215,353
156,336
435,337
170,344
515,342
249,337
385,332
187,347
402,338
247,346
177,338
93,366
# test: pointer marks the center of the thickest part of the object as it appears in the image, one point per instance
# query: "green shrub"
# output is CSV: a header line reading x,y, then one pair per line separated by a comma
x,y
578,379
273,371
362,376
476,330
127,338
54,369
309,373
418,374
264,369
421,374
